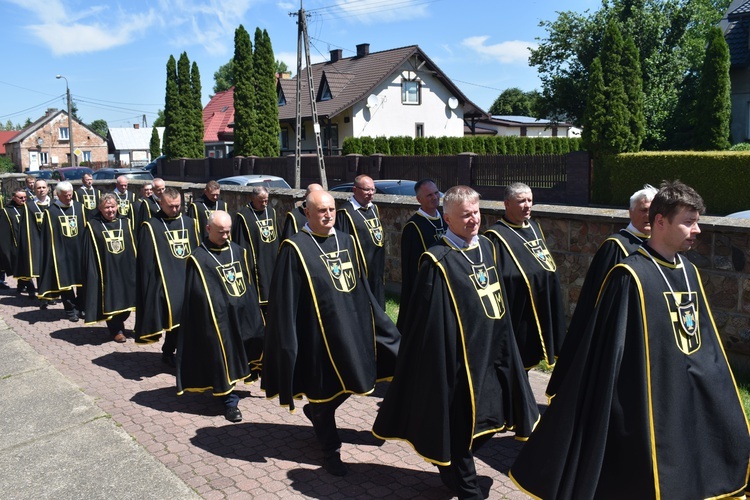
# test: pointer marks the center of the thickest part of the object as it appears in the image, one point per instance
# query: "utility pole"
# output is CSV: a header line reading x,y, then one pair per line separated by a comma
x,y
304,42
70,122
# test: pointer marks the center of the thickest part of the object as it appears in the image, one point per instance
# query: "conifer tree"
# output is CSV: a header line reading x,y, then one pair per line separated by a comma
x,y
713,105
154,144
267,130
171,110
197,112
185,126
633,83
244,101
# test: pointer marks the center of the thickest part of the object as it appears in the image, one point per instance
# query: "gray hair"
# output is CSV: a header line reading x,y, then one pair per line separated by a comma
x,y
108,197
647,193
516,188
256,190
457,195
63,187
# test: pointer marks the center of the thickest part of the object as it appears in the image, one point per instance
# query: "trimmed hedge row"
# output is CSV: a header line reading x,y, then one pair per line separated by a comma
x,y
429,146
720,177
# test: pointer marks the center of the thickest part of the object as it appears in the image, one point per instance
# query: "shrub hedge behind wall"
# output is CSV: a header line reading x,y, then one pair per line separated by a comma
x,y
426,146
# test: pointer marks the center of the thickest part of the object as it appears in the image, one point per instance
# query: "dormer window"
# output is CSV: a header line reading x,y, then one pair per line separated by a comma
x,y
410,88
325,92
282,98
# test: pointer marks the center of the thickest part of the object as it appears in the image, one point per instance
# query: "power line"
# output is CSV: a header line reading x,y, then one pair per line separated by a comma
x,y
41,105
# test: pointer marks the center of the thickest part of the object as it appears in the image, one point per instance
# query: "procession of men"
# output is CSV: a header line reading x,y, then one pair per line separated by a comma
x,y
642,402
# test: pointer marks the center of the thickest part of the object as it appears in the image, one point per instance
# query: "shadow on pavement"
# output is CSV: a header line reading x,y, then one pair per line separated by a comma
x,y
133,365
83,335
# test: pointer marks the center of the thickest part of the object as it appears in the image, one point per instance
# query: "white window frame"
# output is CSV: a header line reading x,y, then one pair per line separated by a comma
x,y
411,92
64,134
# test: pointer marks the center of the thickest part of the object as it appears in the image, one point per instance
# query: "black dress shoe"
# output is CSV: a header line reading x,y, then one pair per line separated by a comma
x,y
73,317
169,359
81,314
233,414
334,466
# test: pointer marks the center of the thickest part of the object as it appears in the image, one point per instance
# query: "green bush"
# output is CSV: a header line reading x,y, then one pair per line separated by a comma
x,y
719,177
352,145
420,146
6,166
490,146
368,145
382,145
396,146
433,146
740,146
446,146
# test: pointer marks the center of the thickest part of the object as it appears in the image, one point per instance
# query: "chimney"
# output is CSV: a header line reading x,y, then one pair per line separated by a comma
x,y
363,49
136,126
336,55
50,111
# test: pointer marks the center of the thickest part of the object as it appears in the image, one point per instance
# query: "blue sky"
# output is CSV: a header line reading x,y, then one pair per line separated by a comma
x,y
114,54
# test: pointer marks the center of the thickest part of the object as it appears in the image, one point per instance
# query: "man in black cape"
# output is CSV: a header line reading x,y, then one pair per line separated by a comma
x,y
324,330
530,278
610,253
149,204
87,195
256,230
10,227
296,218
221,337
125,201
425,228
109,265
29,263
360,217
202,208
459,378
649,408
165,242
62,251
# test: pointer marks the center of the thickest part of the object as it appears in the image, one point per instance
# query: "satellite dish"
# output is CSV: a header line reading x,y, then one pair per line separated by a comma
x,y
452,102
372,101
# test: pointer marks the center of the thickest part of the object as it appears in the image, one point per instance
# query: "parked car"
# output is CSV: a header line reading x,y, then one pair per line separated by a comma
x,y
130,173
399,187
745,214
40,174
269,181
71,173
151,167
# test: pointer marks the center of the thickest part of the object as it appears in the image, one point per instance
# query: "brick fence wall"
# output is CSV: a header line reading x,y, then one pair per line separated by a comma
x,y
573,236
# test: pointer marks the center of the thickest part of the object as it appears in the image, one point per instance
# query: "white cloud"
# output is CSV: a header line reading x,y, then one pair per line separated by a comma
x,y
512,51
380,11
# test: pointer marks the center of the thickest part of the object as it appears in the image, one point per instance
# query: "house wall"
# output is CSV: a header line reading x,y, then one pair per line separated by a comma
x,y
740,125
390,117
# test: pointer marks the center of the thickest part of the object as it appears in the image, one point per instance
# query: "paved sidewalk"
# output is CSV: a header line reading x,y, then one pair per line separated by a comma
x,y
84,417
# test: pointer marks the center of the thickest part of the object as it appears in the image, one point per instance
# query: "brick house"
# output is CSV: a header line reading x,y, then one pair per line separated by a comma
x,y
46,143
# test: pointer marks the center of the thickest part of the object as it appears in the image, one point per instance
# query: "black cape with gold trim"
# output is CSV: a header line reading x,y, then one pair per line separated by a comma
x,y
201,209
419,234
533,288
294,221
62,248
126,208
10,227
458,351
368,233
160,280
325,333
258,234
29,263
221,337
144,209
109,257
89,198
646,410
611,252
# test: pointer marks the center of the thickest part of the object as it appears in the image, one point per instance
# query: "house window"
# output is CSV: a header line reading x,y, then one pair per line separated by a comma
x,y
419,130
333,137
64,136
410,92
523,132
86,156
554,131
325,92
43,159
282,99
284,138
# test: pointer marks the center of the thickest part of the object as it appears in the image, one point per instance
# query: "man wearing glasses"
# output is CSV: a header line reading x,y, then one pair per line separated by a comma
x,y
360,217
10,223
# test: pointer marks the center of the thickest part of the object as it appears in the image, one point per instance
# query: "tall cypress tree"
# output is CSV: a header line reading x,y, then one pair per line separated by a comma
x,y
244,100
196,111
633,83
267,129
185,130
171,110
596,109
154,145
713,106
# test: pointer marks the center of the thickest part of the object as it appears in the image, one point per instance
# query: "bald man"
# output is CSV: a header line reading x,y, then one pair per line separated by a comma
x,y
296,218
324,327
221,339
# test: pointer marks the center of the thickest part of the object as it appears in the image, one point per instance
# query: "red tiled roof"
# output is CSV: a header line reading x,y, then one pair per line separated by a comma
x,y
217,115
5,136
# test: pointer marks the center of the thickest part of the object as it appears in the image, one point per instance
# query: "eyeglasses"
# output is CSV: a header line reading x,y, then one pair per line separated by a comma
x,y
368,190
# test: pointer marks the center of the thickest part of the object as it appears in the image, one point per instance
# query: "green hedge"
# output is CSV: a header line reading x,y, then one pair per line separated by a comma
x,y
720,177
482,145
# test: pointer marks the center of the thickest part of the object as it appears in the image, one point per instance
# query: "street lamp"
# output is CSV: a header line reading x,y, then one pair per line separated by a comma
x,y
70,122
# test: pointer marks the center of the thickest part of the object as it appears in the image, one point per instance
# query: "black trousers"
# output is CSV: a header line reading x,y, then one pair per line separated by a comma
x,y
323,417
170,342
117,323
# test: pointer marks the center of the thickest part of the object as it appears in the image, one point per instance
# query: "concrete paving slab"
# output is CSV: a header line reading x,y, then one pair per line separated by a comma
x,y
20,356
93,460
